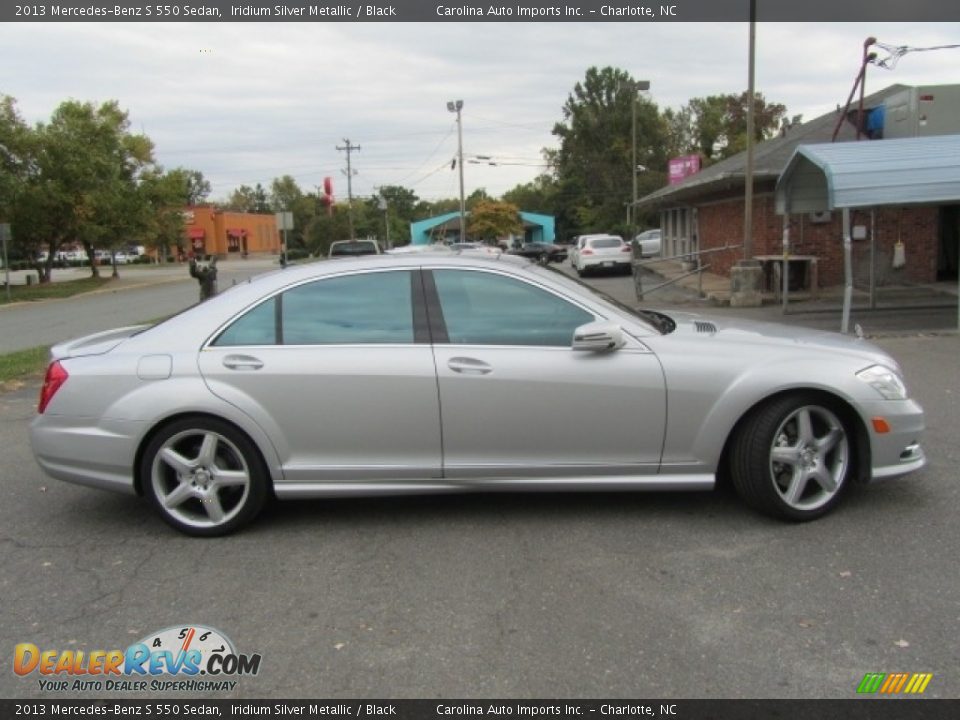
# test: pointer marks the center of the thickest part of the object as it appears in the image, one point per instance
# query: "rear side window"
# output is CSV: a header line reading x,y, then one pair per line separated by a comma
x,y
368,308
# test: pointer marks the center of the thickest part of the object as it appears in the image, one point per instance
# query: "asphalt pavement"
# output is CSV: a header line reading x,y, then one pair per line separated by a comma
x,y
514,595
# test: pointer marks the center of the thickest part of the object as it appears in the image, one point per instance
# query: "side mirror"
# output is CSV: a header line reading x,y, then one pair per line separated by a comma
x,y
599,336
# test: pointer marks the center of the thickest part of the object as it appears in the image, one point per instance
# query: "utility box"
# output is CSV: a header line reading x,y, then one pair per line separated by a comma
x,y
922,111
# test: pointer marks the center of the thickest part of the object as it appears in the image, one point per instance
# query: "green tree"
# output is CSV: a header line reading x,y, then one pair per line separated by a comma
x,y
490,220
246,199
164,194
539,195
594,163
15,155
401,201
83,183
716,126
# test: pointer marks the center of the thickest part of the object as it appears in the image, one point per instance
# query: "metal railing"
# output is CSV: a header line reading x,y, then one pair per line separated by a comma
x,y
693,257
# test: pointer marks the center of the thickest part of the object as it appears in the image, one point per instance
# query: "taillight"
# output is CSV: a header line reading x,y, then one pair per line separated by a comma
x,y
626,248
586,251
54,379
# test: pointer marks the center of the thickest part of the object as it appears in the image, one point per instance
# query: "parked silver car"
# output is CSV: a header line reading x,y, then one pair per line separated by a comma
x,y
649,243
328,379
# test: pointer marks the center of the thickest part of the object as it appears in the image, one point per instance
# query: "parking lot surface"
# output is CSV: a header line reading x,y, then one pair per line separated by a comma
x,y
514,595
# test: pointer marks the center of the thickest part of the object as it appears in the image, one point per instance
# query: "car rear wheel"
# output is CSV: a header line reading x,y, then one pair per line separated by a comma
x,y
204,476
792,458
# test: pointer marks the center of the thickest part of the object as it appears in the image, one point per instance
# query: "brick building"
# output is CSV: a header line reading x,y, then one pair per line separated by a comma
x,y
222,233
706,210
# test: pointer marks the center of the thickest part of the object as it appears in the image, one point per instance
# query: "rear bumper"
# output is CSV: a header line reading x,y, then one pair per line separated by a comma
x,y
598,261
85,451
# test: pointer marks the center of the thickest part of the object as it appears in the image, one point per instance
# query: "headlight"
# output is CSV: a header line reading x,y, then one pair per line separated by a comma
x,y
885,381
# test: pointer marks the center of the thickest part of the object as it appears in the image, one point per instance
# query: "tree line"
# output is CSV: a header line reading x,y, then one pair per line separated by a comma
x,y
84,177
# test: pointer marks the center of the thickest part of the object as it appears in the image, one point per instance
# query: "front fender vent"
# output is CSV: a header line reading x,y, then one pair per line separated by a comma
x,y
705,327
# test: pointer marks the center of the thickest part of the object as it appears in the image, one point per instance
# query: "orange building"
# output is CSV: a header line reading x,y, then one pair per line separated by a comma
x,y
229,234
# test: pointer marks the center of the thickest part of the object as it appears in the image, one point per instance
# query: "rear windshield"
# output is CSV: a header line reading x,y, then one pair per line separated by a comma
x,y
606,242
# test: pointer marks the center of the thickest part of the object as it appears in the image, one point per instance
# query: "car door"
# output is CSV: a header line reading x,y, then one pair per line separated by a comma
x,y
340,373
517,401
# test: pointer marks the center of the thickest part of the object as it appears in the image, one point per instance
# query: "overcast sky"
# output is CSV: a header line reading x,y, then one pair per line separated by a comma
x,y
245,103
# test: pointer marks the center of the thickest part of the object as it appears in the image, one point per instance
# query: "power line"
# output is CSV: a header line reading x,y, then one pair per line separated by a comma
x,y
895,52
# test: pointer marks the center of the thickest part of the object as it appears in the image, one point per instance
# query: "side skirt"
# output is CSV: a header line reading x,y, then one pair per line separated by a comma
x,y
654,483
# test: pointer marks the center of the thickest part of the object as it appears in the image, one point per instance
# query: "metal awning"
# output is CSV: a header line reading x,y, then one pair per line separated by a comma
x,y
869,174
908,171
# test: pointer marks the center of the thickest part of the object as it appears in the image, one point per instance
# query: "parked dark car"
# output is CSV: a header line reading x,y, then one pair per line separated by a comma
x,y
542,252
353,248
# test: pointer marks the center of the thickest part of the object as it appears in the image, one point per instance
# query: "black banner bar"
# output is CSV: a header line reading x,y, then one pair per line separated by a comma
x,y
900,708
477,11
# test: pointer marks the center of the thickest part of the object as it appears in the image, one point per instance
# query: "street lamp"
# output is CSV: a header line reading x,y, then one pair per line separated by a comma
x,y
455,106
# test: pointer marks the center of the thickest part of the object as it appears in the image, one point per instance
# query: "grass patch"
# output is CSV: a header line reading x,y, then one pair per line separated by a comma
x,y
18,367
69,288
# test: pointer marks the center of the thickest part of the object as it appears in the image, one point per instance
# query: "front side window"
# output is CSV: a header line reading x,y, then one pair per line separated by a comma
x,y
481,308
370,308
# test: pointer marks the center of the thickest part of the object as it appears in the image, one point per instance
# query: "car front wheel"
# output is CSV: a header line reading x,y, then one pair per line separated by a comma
x,y
792,458
204,476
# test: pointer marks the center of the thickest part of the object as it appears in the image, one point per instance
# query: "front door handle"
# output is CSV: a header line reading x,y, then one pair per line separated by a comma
x,y
468,366
242,362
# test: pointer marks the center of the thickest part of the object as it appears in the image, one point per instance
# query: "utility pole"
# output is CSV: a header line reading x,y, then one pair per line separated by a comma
x,y
745,276
349,172
456,106
638,86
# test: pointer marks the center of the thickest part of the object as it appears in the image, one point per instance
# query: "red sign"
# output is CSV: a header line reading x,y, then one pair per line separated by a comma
x,y
683,167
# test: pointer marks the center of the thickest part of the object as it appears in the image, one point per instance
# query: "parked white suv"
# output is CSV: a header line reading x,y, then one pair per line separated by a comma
x,y
602,251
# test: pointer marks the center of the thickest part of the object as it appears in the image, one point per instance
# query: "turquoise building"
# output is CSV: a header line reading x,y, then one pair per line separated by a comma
x,y
446,228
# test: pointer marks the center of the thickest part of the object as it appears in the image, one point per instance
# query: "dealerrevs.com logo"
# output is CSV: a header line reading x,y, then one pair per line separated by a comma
x,y
188,658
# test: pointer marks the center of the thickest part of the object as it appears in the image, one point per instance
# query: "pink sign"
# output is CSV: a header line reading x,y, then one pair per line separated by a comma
x,y
683,167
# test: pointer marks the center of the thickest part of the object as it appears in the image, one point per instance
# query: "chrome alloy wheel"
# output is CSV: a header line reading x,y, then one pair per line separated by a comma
x,y
809,457
200,478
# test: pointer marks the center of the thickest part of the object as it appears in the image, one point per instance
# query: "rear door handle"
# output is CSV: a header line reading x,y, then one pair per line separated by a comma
x,y
242,362
468,366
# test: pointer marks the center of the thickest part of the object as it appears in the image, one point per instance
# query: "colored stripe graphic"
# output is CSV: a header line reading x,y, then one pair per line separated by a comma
x,y
894,683
871,682
918,683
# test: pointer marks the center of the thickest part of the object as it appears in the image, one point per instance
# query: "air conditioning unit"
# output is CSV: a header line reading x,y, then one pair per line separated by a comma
x,y
818,218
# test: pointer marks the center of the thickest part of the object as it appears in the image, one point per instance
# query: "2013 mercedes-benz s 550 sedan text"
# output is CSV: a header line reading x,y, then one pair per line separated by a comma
x,y
425,373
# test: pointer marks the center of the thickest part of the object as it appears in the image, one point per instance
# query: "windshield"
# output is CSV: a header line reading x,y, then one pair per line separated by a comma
x,y
661,322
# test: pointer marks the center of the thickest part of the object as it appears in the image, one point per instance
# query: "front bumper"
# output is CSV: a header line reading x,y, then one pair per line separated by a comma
x,y
898,451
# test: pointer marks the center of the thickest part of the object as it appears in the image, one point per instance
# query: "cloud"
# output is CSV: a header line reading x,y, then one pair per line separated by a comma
x,y
247,102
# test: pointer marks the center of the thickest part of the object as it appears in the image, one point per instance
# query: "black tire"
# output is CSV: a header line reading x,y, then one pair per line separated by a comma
x,y
792,458
204,476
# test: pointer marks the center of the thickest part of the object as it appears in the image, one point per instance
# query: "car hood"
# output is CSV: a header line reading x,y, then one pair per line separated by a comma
x,y
95,344
746,333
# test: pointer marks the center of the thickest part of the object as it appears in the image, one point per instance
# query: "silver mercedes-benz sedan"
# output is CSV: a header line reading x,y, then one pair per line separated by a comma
x,y
427,373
